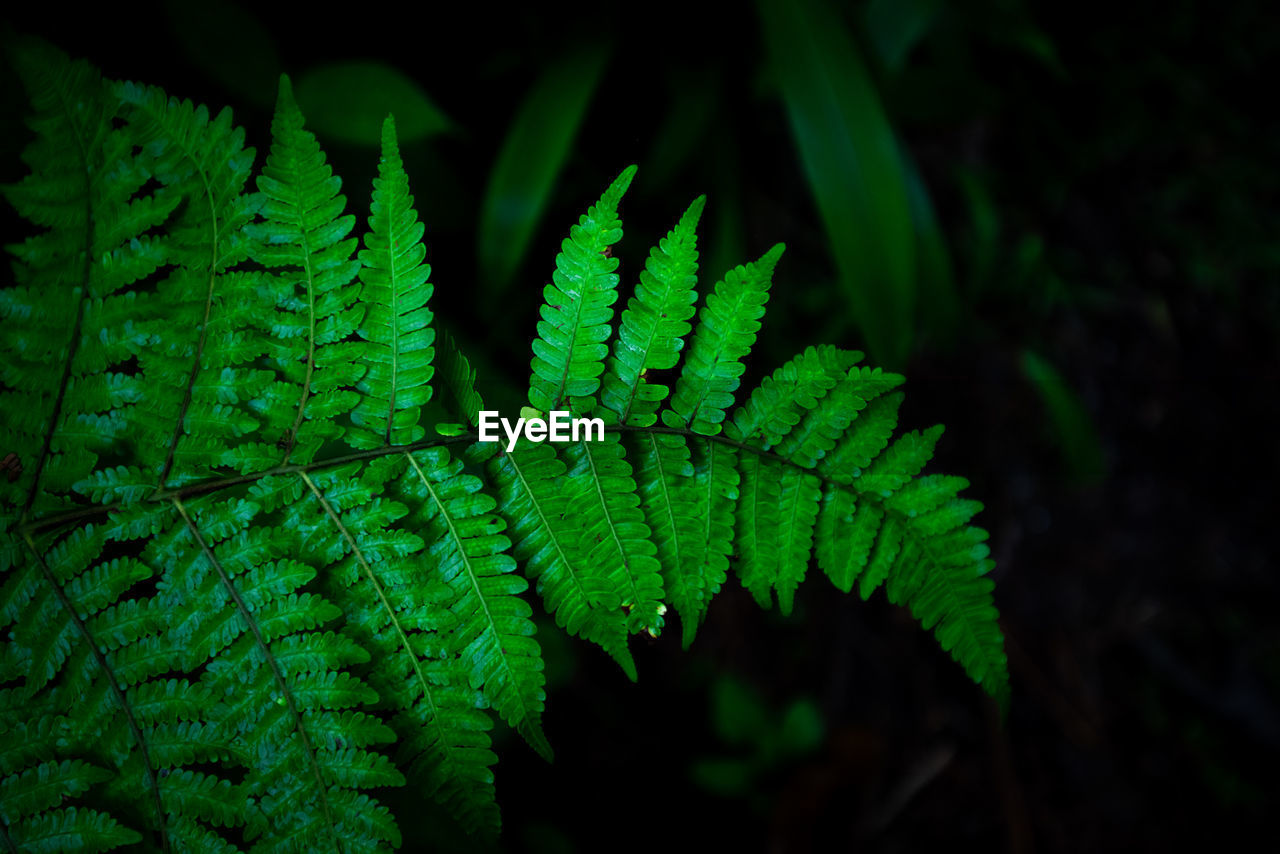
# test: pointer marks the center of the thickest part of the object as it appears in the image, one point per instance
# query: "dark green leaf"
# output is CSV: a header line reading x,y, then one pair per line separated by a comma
x,y
537,145
850,157
347,101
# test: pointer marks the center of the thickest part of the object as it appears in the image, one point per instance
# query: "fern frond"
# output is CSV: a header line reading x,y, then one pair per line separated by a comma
x,y
650,338
397,322
777,404
202,162
458,381
251,650
670,500
726,332
654,324
819,423
549,538
568,354
242,588
71,829
614,536
304,234
66,324
717,481
387,593
494,635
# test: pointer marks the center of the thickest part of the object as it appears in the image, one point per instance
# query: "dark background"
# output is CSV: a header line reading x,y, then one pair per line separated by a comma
x,y
1104,178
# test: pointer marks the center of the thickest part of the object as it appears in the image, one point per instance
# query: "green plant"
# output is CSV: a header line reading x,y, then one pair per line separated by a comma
x,y
242,581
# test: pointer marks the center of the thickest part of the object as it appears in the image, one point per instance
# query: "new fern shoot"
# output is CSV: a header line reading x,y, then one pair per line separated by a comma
x,y
245,583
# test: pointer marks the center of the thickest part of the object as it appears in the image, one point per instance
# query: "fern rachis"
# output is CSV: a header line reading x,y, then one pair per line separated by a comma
x,y
244,584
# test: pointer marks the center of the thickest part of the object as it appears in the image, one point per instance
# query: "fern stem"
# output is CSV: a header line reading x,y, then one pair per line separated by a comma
x,y
116,690
214,485
276,672
395,324
719,439
207,486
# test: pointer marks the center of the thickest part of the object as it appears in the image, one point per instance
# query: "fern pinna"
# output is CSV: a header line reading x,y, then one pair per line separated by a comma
x,y
243,584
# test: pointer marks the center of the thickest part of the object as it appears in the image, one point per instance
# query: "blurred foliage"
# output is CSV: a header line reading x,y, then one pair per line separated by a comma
x,y
347,101
760,738
896,26
1072,429
854,169
533,152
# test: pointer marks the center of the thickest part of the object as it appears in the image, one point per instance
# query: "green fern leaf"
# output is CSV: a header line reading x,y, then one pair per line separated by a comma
x,y
654,324
568,354
201,161
72,829
243,588
670,500
459,382
382,586
727,328
305,235
397,321
549,540
494,635
614,536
